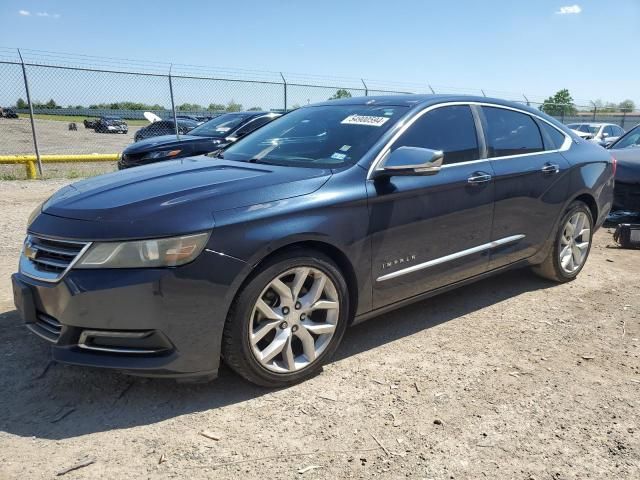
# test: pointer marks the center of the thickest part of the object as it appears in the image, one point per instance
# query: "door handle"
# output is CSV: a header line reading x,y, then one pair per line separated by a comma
x,y
550,168
478,178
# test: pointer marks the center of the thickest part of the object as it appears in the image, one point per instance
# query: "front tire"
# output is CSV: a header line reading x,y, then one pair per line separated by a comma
x,y
571,245
288,320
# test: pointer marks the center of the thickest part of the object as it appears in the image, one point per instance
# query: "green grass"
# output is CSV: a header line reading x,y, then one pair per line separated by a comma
x,y
76,118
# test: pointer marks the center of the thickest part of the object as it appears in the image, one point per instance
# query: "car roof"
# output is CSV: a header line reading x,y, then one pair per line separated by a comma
x,y
593,124
246,113
415,100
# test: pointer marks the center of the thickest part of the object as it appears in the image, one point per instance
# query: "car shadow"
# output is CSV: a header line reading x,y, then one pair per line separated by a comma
x,y
44,399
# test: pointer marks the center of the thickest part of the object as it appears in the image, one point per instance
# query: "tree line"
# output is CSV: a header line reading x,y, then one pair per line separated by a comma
x,y
231,106
561,103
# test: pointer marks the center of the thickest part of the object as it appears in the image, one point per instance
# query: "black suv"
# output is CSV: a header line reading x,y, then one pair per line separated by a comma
x,y
111,124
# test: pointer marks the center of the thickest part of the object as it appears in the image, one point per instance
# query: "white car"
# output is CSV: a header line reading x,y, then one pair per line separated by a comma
x,y
602,133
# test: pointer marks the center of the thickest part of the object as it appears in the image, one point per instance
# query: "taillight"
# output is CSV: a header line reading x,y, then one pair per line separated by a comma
x,y
614,164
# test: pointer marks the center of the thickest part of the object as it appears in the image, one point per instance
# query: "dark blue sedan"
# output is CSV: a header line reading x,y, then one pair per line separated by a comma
x,y
325,217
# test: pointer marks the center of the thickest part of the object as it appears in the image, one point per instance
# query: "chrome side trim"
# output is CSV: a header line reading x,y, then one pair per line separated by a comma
x,y
448,258
82,342
35,328
565,145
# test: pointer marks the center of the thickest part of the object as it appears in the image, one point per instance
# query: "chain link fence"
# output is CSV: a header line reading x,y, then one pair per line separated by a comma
x,y
67,94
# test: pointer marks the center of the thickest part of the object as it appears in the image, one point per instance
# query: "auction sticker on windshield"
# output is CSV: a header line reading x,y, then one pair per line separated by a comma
x,y
365,120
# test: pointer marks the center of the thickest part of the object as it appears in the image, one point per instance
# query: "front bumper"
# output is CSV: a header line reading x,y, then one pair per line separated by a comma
x,y
151,322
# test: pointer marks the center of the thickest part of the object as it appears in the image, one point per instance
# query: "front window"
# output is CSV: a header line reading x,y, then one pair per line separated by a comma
x,y
323,136
220,126
450,129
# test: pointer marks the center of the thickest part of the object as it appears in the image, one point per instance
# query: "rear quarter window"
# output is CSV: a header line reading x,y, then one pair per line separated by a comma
x,y
554,139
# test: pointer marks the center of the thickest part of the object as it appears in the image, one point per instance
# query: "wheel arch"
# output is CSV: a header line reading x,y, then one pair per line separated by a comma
x,y
590,201
332,251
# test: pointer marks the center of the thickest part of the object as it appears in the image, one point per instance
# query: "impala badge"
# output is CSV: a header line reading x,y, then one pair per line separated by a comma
x,y
398,261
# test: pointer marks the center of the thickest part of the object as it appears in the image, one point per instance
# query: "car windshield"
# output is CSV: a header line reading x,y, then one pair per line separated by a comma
x,y
583,127
219,126
630,140
322,136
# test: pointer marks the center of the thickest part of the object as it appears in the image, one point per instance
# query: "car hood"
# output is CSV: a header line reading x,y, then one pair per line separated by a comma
x,y
628,170
169,141
169,198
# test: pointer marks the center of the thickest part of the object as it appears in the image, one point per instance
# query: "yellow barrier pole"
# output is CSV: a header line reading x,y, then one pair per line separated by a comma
x,y
30,165
31,169
98,157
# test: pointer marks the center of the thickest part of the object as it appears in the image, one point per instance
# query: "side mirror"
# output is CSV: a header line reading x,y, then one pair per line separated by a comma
x,y
232,139
410,161
605,135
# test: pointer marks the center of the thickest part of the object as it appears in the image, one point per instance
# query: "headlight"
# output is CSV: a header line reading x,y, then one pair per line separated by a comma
x,y
35,213
159,252
161,154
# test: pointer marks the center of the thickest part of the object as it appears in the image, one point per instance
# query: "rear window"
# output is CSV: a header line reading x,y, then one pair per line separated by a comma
x,y
511,133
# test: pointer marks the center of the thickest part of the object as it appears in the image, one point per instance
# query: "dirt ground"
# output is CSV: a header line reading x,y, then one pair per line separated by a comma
x,y
54,137
510,378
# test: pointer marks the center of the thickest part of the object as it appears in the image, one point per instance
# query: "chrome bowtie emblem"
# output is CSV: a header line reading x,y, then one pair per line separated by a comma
x,y
30,251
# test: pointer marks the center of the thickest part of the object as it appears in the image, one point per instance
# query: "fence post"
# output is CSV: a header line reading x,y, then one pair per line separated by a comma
x,y
562,114
173,104
366,90
30,169
624,118
595,111
284,83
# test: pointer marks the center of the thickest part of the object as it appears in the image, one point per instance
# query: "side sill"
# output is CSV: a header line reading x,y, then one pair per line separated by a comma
x,y
432,293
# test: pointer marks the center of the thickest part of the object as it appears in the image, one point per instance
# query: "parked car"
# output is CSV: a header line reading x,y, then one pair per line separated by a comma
x,y
8,113
327,216
602,133
208,137
111,124
91,122
198,119
627,152
165,127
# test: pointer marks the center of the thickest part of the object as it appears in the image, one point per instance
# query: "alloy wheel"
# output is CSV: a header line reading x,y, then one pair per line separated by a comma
x,y
574,242
294,319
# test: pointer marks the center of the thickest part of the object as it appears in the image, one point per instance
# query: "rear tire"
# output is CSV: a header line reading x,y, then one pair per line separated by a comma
x,y
571,245
296,304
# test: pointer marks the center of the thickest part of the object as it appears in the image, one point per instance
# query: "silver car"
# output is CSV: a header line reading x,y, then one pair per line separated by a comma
x,y
602,133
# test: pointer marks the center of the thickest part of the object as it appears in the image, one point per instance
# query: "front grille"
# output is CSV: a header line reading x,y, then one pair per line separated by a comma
x,y
48,259
46,326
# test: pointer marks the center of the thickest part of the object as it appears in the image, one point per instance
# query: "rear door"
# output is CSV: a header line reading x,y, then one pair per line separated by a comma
x,y
430,231
531,181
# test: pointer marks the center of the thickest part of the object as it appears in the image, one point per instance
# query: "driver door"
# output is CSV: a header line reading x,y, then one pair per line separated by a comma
x,y
432,231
